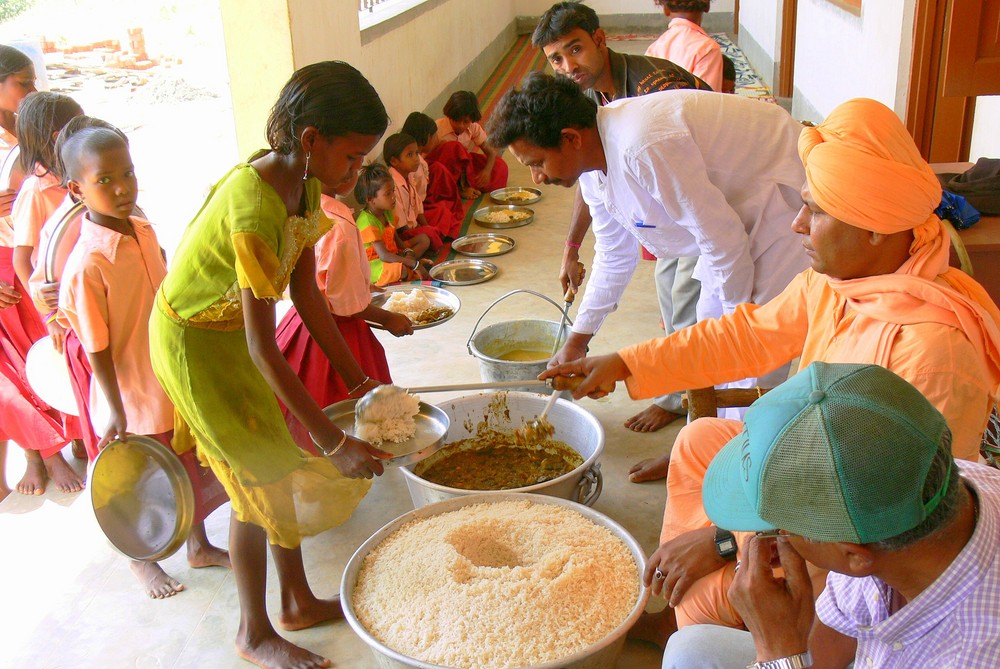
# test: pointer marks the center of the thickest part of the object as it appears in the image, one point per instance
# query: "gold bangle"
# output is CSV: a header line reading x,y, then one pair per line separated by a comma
x,y
358,387
336,449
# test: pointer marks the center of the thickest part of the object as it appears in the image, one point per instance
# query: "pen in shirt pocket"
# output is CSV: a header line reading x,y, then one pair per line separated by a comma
x,y
642,224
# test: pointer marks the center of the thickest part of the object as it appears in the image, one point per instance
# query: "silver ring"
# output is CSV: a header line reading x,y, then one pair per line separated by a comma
x,y
658,575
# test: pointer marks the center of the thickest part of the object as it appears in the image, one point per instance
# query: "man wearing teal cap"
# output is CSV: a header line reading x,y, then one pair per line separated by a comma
x,y
849,467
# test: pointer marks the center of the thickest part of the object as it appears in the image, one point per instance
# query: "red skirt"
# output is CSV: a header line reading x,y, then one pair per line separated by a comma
x,y
311,365
24,417
80,376
457,160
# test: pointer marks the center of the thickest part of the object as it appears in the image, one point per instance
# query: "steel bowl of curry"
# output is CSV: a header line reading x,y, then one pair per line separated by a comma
x,y
480,454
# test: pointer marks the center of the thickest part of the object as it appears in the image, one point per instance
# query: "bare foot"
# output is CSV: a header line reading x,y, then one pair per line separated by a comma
x,y
298,616
35,476
651,419
208,556
654,628
650,469
274,652
62,474
156,582
469,193
4,490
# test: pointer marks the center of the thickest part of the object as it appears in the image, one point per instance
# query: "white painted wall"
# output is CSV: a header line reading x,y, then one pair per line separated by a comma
x,y
760,19
839,56
986,131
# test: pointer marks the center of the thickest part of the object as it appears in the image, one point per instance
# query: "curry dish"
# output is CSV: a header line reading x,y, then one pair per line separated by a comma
x,y
496,462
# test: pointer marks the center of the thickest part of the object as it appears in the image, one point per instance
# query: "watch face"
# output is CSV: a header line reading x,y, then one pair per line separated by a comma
x,y
727,546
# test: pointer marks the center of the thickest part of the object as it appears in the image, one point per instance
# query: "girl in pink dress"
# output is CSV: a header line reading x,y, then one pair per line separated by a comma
x,y
17,79
464,149
343,273
40,118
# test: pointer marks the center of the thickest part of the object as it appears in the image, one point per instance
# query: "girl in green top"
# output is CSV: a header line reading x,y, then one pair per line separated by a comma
x,y
212,341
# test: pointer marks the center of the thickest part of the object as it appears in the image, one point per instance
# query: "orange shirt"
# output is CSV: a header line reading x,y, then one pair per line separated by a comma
x,y
471,139
106,296
408,204
687,44
342,269
809,319
38,198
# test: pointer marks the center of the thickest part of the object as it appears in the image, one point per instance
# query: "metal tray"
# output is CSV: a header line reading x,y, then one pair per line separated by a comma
x,y
481,214
483,245
464,271
432,427
438,296
142,497
504,195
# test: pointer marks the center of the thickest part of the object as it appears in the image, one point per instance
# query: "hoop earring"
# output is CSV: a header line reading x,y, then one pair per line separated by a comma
x,y
305,175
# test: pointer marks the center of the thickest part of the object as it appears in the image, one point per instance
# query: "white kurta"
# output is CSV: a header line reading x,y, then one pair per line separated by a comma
x,y
693,173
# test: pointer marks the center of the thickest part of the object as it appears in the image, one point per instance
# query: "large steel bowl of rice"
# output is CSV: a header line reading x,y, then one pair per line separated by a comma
x,y
496,581
505,412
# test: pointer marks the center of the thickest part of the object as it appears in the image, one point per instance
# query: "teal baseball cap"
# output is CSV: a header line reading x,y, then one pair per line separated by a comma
x,y
839,452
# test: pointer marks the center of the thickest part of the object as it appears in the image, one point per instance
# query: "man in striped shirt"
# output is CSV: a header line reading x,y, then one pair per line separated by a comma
x,y
849,467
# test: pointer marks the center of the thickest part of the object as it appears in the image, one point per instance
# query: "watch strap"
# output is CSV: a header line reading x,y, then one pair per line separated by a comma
x,y
800,661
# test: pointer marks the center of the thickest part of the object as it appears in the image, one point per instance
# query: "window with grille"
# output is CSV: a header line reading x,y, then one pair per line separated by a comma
x,y
373,12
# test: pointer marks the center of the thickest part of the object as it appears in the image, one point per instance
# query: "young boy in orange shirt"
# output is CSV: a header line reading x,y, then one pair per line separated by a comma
x,y
106,295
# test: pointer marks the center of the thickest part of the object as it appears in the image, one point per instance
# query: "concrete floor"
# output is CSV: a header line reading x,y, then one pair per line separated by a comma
x,y
69,599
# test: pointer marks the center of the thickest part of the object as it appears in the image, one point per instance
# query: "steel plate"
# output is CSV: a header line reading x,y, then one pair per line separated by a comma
x,y
438,296
464,272
142,498
432,426
516,195
483,245
481,216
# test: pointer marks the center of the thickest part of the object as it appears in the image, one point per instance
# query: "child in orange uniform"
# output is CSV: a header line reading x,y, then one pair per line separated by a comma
x,y
40,118
438,190
400,153
392,259
343,274
106,296
480,166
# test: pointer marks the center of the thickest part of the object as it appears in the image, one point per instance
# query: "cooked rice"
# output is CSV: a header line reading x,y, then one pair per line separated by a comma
x,y
499,584
389,419
505,216
409,303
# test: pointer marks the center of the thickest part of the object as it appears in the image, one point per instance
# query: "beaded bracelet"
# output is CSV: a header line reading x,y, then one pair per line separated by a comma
x,y
336,449
358,387
572,245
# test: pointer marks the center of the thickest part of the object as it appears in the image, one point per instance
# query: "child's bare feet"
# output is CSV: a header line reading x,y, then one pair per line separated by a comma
x,y
35,476
79,450
650,469
4,489
300,615
156,582
62,474
470,193
201,556
274,652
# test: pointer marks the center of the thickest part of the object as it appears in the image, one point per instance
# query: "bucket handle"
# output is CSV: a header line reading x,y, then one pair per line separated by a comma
x,y
590,486
468,344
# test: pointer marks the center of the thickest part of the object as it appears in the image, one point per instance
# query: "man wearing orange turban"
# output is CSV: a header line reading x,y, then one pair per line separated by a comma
x,y
879,291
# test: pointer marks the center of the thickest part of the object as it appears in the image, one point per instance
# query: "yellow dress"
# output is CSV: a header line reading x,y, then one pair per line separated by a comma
x,y
243,238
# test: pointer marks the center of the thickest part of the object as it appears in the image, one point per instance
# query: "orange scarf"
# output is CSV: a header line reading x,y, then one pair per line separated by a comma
x,y
864,169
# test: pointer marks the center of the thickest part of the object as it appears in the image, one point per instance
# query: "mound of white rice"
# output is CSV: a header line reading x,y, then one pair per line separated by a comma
x,y
409,303
389,419
494,585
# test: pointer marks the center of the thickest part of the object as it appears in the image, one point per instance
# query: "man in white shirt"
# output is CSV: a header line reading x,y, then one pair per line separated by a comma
x,y
683,173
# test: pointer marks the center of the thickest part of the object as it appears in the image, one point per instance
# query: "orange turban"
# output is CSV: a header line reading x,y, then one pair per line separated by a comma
x,y
864,169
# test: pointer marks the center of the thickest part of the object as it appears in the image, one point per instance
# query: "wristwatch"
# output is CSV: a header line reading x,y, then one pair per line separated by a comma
x,y
725,544
800,661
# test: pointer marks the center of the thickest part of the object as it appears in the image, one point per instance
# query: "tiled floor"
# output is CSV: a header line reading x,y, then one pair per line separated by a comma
x,y
69,600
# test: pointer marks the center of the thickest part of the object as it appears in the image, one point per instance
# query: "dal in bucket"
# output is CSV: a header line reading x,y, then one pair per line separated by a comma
x,y
496,582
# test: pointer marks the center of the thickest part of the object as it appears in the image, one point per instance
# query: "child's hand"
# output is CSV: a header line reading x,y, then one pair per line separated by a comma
x,y
49,294
422,272
58,334
358,459
470,193
483,178
9,296
114,430
398,325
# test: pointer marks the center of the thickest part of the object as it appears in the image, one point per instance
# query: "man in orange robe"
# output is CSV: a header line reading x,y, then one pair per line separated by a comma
x,y
879,291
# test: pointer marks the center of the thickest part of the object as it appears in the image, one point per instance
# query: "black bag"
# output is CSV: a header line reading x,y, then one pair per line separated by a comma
x,y
980,185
